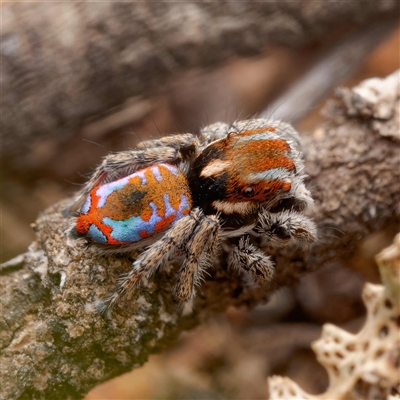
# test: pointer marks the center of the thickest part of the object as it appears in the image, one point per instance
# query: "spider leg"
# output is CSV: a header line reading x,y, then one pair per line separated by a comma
x,y
200,250
174,241
246,257
185,142
286,229
214,132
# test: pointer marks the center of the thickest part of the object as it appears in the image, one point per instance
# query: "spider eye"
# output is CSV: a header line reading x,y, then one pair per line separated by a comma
x,y
248,192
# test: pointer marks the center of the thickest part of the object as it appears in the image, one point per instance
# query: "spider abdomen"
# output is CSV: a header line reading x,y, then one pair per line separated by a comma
x,y
135,207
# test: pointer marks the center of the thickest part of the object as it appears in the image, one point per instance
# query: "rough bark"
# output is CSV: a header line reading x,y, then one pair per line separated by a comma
x,y
55,344
64,63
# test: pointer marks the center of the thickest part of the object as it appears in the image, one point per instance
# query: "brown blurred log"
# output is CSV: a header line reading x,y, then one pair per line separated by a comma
x,y
65,63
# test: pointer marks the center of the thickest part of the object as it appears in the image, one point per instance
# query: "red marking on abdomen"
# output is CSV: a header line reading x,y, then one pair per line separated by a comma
x,y
82,224
145,234
84,221
164,223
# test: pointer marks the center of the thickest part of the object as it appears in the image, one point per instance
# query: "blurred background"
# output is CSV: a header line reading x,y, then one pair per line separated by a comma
x,y
231,356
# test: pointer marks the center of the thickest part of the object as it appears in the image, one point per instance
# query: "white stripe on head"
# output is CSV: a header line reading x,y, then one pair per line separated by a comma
x,y
243,207
272,174
257,136
214,168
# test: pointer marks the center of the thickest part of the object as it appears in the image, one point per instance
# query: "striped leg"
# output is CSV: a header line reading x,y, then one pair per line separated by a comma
x,y
245,257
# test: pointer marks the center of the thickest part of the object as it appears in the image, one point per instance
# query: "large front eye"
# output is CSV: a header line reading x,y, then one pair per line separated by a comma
x,y
248,192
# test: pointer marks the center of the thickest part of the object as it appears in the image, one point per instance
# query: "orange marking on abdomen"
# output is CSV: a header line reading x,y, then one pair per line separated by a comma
x,y
154,190
146,213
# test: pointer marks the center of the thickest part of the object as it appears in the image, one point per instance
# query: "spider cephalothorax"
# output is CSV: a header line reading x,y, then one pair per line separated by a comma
x,y
181,195
246,169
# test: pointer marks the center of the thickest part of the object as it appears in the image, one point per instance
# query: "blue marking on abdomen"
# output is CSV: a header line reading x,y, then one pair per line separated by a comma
x,y
141,175
128,229
156,172
184,204
169,210
105,190
86,205
171,168
95,233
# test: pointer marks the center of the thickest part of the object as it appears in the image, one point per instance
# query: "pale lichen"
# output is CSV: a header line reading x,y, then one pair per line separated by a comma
x,y
366,365
376,99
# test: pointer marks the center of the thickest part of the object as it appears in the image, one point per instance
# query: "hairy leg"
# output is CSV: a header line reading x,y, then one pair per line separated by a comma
x,y
185,142
199,252
286,229
175,241
245,257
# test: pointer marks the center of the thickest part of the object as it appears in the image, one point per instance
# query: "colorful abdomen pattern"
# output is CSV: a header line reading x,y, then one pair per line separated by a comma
x,y
135,207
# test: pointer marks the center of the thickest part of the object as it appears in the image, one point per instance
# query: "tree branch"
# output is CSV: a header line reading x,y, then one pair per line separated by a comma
x,y
64,63
55,344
